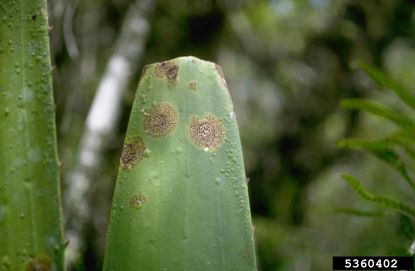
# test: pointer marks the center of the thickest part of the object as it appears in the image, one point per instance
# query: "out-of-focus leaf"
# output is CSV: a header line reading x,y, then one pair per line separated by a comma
x,y
380,200
360,144
380,110
406,226
385,81
383,151
402,140
353,211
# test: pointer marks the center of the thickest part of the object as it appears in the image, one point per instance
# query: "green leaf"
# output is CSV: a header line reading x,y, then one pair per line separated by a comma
x,y
406,226
30,211
399,139
383,151
380,200
404,141
380,110
181,198
385,81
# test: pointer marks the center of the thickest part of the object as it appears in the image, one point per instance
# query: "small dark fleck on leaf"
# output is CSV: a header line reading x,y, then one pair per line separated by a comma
x,y
193,85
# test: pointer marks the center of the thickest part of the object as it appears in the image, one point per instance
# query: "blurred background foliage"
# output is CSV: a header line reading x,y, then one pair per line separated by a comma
x,y
288,64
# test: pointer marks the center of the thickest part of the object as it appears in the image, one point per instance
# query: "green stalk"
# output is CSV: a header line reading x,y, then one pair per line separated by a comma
x,y
30,216
181,199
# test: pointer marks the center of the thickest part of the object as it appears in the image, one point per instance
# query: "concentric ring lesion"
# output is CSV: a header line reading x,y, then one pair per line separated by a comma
x,y
161,120
206,132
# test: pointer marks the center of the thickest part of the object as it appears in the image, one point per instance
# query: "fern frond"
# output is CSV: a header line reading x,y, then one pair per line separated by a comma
x,y
379,110
383,151
386,82
380,200
402,140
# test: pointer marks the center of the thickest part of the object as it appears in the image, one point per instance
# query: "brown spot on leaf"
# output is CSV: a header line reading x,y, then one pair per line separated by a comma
x,y
132,153
161,120
193,85
167,69
137,201
40,263
207,132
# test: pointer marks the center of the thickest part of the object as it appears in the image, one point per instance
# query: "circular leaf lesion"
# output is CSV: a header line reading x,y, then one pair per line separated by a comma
x,y
161,120
137,200
132,153
206,132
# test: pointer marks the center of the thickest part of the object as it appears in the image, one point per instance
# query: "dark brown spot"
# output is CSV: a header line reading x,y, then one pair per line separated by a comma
x,y
132,153
40,263
207,132
167,69
161,120
193,85
34,17
137,201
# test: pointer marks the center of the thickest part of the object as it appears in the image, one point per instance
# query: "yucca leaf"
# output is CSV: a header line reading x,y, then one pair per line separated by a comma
x,y
380,110
380,200
30,218
385,81
181,199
